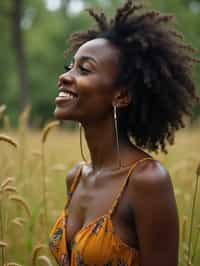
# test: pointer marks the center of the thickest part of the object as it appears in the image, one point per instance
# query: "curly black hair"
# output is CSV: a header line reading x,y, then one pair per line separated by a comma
x,y
156,66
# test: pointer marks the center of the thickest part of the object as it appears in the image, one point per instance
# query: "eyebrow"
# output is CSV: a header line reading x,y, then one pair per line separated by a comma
x,y
86,58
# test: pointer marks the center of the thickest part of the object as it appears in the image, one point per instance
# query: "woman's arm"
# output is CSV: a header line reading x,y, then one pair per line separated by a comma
x,y
156,215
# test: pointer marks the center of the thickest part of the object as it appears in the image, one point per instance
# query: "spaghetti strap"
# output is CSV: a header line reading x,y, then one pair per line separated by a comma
x,y
116,201
75,182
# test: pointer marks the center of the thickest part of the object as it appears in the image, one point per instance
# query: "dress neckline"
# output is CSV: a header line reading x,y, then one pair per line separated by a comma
x,y
107,216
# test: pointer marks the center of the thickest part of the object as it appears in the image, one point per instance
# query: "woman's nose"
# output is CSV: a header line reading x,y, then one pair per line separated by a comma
x,y
65,79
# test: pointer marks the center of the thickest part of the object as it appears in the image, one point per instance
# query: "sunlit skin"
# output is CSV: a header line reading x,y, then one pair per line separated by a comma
x,y
146,218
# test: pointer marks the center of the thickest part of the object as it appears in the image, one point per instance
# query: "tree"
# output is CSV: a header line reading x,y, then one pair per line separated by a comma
x,y
33,53
19,48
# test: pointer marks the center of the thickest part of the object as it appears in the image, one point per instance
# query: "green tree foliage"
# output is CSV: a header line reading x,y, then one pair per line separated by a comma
x,y
45,34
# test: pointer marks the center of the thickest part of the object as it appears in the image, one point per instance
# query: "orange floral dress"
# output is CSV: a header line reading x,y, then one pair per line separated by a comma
x,y
95,244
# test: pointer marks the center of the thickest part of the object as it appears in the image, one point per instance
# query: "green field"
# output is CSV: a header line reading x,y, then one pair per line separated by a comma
x,y
33,192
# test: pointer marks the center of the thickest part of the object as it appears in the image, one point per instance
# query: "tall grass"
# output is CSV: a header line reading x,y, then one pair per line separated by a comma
x,y
33,166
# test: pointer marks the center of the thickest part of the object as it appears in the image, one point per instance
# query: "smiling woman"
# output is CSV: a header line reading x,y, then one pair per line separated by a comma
x,y
129,85
94,60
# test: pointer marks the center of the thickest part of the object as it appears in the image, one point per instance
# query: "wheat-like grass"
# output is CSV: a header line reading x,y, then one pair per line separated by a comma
x,y
3,108
7,181
45,259
190,258
47,129
187,260
196,243
57,156
19,221
22,203
24,116
36,250
45,133
9,140
10,189
198,170
6,123
12,264
3,244
184,229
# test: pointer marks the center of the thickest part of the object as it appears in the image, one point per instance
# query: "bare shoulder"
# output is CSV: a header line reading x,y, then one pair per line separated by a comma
x,y
151,174
152,194
71,174
156,214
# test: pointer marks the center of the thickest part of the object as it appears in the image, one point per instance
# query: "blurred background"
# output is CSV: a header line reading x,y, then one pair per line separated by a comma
x,y
34,35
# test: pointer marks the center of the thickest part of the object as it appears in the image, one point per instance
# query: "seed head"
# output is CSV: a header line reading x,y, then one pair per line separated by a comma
x,y
47,129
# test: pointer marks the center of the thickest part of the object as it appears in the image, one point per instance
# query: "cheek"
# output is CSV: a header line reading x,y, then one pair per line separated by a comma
x,y
94,90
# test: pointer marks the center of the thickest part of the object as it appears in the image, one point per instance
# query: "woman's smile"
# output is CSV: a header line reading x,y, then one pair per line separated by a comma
x,y
65,96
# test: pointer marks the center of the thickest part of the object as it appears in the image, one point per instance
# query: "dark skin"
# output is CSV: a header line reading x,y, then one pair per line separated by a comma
x,y
146,217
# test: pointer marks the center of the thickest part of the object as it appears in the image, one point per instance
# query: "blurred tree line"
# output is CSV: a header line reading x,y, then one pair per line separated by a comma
x,y
34,36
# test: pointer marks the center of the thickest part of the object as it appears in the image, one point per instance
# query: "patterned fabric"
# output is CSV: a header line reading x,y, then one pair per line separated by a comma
x,y
95,244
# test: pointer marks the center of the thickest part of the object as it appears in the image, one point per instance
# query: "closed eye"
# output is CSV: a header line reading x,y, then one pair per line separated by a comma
x,y
84,70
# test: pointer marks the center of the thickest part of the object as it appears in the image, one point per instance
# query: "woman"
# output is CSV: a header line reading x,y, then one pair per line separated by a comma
x,y
129,86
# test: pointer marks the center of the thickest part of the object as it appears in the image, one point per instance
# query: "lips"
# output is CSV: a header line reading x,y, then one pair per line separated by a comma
x,y
65,95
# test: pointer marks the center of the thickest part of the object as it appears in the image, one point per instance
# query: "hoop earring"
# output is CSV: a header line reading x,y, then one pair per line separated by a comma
x,y
116,134
81,142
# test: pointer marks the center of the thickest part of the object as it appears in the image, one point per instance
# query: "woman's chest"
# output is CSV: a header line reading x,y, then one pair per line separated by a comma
x,y
90,201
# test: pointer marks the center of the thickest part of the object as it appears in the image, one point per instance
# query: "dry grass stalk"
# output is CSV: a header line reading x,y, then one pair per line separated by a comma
x,y
45,133
198,170
19,221
12,264
3,244
23,119
184,229
9,140
7,181
185,248
22,203
47,129
190,258
6,123
45,259
36,250
187,261
196,243
3,108
10,189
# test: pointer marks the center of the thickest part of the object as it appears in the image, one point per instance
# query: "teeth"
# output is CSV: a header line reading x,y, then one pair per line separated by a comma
x,y
63,94
66,95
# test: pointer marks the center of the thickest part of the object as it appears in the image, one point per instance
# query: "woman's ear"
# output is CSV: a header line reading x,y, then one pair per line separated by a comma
x,y
122,98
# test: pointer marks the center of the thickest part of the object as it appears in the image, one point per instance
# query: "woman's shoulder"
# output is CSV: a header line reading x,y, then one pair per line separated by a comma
x,y
151,179
149,170
72,173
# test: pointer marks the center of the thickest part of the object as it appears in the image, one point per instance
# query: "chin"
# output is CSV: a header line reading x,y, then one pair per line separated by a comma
x,y
61,114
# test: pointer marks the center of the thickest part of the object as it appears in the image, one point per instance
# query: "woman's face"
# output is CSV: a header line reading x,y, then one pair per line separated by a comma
x,y
87,89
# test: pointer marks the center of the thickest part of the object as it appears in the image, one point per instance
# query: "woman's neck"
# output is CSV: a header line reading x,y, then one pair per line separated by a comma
x,y
102,143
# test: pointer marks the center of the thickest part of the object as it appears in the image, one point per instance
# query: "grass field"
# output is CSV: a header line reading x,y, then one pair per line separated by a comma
x,y
33,193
